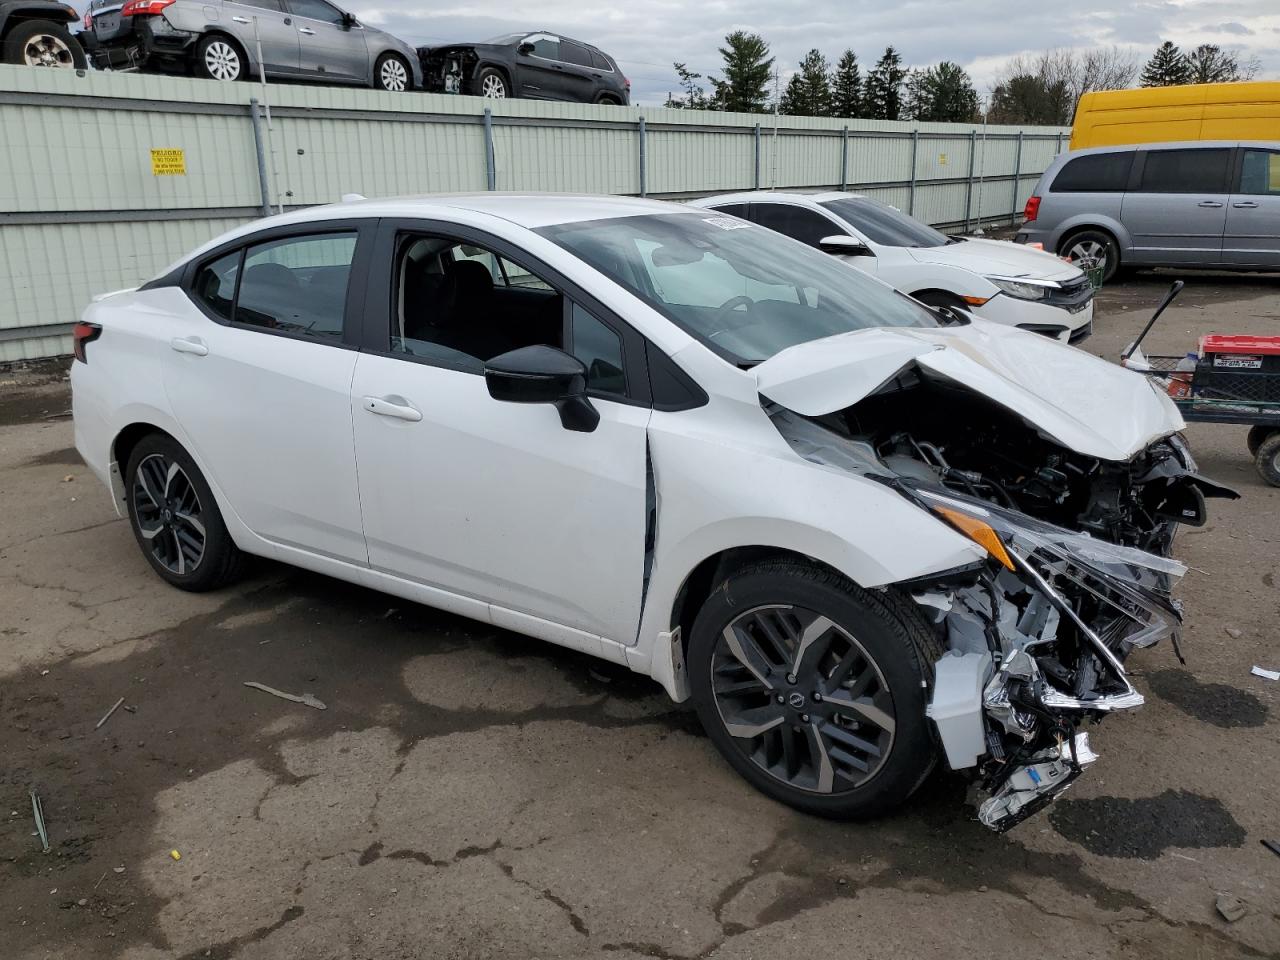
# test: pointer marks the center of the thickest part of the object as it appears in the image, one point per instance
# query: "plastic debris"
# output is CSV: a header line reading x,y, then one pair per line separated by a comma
x,y
1230,907
117,869
1234,633
107,716
37,811
175,855
1273,846
306,698
1265,674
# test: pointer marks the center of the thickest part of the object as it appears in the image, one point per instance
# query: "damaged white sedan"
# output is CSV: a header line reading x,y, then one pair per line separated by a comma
x,y
858,538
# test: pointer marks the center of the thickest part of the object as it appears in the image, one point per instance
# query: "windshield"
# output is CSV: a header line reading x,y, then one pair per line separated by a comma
x,y
745,291
883,224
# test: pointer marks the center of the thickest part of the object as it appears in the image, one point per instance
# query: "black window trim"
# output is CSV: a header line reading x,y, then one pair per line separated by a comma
x,y
379,309
1130,183
839,227
184,276
1140,167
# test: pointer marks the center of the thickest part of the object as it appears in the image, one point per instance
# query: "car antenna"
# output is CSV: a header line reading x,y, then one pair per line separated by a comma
x,y
1168,299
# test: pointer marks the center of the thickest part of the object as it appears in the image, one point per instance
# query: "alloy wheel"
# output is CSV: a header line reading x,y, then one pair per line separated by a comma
x,y
46,50
802,698
167,511
1089,252
393,76
222,61
493,87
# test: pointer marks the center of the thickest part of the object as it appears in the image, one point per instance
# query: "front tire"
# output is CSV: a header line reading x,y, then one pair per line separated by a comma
x,y
814,689
391,73
175,518
1093,248
492,84
220,58
43,43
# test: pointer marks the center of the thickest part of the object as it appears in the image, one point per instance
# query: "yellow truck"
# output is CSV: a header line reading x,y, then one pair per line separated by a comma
x,y
1201,111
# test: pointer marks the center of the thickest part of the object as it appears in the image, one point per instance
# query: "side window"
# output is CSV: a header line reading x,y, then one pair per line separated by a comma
x,y
276,5
316,10
600,348
733,209
297,285
1260,173
599,62
574,53
215,284
1185,171
1095,173
796,222
544,46
461,304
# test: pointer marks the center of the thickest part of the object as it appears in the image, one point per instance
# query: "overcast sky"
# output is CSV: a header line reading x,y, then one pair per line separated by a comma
x,y
645,36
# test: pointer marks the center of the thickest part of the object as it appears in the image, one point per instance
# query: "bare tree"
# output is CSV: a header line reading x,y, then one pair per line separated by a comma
x,y
1045,88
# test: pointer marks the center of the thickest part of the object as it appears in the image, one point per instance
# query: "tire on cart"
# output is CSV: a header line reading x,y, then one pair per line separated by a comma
x,y
1267,458
1257,434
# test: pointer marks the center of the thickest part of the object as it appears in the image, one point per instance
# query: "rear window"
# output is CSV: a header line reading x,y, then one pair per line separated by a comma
x,y
598,61
1185,171
1095,173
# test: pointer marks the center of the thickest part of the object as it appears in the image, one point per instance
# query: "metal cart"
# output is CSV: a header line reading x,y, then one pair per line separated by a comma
x,y
1232,379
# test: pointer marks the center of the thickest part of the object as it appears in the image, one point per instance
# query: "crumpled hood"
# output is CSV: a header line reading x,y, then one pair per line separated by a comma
x,y
998,258
1081,402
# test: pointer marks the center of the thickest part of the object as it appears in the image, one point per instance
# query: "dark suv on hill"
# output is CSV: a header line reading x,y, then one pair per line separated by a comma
x,y
537,66
34,33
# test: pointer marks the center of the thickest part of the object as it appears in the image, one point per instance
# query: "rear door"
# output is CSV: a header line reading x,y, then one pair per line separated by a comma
x,y
1252,236
1177,212
268,23
328,47
580,80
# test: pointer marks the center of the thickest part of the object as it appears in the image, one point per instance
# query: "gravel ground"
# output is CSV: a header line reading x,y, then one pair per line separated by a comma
x,y
474,793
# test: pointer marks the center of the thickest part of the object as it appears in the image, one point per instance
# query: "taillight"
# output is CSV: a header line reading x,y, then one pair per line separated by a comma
x,y
143,8
1032,209
83,334
626,83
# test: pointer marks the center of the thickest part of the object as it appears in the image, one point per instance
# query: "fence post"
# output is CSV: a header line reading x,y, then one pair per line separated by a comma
x,y
757,180
490,167
844,160
968,190
915,151
263,187
644,181
1059,142
1017,178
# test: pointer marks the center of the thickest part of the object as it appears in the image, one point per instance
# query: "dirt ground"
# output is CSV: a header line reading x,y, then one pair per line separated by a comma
x,y
474,793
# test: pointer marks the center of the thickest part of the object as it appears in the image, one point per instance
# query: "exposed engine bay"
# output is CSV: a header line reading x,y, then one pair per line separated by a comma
x,y
1077,574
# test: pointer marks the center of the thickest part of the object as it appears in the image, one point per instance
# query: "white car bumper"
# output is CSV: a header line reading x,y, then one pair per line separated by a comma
x,y
1057,322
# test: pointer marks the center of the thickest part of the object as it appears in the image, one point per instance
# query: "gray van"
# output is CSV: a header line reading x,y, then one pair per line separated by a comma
x,y
1191,204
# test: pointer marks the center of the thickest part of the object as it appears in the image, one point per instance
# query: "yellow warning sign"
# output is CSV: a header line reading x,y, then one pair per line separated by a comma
x,y
169,162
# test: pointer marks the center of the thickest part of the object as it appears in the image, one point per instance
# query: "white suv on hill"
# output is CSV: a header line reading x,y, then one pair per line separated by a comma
x,y
675,440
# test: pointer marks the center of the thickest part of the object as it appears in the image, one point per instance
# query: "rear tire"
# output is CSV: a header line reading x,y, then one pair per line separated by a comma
x,y
1267,459
391,73
1257,435
1087,248
218,57
43,43
837,729
175,518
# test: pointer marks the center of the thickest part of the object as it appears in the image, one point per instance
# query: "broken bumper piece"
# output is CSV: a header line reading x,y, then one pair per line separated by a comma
x,y
1035,647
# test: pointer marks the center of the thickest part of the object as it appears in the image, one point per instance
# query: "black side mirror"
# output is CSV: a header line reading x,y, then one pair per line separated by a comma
x,y
542,374
525,49
845,246
348,20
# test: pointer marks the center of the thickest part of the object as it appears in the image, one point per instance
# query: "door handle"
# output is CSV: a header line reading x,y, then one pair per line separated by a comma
x,y
396,407
1209,203
241,20
192,345
1246,205
309,32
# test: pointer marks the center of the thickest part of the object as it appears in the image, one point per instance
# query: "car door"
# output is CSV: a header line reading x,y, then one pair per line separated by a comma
x,y
1252,236
807,226
1177,211
486,500
579,80
539,72
259,378
268,23
330,43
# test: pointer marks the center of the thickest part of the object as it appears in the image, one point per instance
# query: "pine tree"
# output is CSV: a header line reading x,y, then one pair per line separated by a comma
x,y
882,95
846,87
808,92
747,68
942,93
695,98
1209,63
1168,67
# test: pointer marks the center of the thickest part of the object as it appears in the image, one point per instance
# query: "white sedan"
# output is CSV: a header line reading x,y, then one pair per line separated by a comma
x,y
674,440
994,279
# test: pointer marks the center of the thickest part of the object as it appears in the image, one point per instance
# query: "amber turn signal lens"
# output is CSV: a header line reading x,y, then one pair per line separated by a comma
x,y
979,532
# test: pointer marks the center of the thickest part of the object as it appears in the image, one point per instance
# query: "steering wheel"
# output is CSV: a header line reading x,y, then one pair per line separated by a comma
x,y
725,311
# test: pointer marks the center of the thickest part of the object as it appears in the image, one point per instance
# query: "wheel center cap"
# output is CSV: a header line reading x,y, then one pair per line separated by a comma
x,y
166,515
795,700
